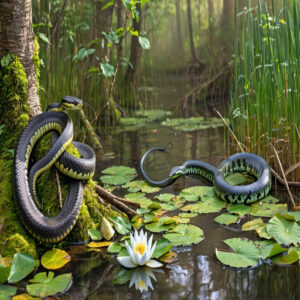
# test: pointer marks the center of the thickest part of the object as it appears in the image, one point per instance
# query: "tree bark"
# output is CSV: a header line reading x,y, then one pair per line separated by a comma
x,y
135,57
210,5
120,23
178,25
190,26
16,37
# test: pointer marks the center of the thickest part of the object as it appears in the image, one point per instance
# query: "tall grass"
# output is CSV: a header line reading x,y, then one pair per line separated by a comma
x,y
266,94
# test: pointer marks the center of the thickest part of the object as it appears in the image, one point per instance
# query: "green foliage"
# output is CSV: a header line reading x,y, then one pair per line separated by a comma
x,y
82,54
162,247
227,219
118,175
144,42
44,38
94,234
55,259
7,291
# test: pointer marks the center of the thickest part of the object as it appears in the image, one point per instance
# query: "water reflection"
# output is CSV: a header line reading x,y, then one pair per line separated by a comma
x,y
141,279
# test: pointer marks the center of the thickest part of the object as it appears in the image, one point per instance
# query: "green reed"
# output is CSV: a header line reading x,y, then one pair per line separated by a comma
x,y
265,100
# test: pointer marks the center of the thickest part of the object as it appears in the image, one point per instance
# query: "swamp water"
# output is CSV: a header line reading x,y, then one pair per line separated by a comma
x,y
196,273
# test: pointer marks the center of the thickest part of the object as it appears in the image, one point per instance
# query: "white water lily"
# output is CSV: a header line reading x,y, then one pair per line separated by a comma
x,y
141,278
140,252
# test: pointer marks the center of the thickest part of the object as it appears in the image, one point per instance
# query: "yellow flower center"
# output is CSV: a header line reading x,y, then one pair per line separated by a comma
x,y
142,284
139,247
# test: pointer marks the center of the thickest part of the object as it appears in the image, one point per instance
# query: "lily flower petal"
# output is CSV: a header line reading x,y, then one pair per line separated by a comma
x,y
153,263
130,252
126,262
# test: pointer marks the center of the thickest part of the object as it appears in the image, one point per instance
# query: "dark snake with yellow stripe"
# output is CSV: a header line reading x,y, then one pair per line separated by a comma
x,y
240,162
51,229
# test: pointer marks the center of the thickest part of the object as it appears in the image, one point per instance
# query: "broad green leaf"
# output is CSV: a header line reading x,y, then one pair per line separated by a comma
x,y
139,198
284,231
161,248
207,205
269,199
140,185
239,209
43,285
200,191
137,224
22,265
292,215
5,264
245,253
184,235
227,219
267,210
55,259
286,259
154,206
108,70
118,175
239,179
152,114
123,276
115,248
262,232
165,197
180,220
172,205
44,38
168,258
94,234
164,224
6,291
187,215
5,61
121,225
144,42
253,224
150,218
271,249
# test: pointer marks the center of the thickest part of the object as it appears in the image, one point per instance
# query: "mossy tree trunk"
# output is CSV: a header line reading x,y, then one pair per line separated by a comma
x,y
16,37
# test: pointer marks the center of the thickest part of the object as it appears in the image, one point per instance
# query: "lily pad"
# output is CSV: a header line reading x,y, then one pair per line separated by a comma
x,y
94,234
153,114
239,209
122,225
245,253
98,244
140,185
165,197
118,175
207,205
253,224
185,235
227,219
115,247
137,223
239,178
172,205
55,259
269,199
132,122
7,291
180,220
164,224
267,210
187,215
139,198
168,258
284,231
22,265
262,232
270,248
43,285
292,215
25,297
162,247
286,259
193,193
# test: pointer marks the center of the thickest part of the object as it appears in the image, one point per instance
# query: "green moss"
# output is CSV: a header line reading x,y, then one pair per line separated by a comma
x,y
37,62
19,243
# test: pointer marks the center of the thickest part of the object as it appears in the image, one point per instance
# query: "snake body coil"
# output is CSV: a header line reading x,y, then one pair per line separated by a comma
x,y
51,229
240,162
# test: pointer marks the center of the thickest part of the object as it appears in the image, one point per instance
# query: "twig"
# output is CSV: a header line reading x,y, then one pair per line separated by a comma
x,y
58,189
2,225
277,176
283,175
292,168
231,132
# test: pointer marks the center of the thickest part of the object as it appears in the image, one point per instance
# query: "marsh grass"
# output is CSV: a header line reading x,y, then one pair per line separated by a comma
x,y
265,102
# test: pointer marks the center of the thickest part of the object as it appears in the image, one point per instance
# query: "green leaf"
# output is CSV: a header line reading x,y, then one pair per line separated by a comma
x,y
139,198
245,253
239,178
152,114
154,206
7,291
22,265
118,175
110,3
267,210
161,248
188,215
44,285
239,209
123,276
286,259
172,205
207,205
253,224
144,42
55,259
44,38
5,264
121,225
95,234
271,249
108,70
227,219
165,197
115,248
292,215
199,191
269,199
262,232
140,185
5,61
164,224
284,231
184,235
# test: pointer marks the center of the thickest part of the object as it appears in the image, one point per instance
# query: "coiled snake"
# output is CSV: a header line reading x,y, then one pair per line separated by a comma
x,y
43,228
240,162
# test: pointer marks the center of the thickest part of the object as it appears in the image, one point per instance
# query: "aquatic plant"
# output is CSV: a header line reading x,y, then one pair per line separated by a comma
x,y
140,252
265,97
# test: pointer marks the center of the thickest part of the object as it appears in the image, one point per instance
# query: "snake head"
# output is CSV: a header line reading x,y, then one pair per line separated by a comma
x,y
70,103
176,172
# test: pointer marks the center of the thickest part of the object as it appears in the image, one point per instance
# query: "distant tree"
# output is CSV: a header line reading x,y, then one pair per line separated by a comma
x,y
178,25
190,27
16,37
